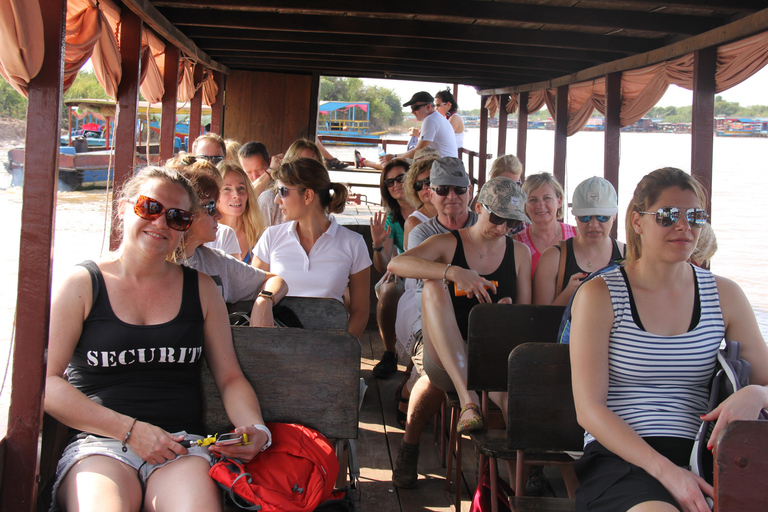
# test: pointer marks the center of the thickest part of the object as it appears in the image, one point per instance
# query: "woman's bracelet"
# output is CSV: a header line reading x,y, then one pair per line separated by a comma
x,y
445,274
128,435
265,429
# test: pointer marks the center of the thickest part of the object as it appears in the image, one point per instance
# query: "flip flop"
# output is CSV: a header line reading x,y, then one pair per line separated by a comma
x,y
473,423
359,160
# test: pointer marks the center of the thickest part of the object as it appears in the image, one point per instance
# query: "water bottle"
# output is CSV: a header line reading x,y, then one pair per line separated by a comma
x,y
381,151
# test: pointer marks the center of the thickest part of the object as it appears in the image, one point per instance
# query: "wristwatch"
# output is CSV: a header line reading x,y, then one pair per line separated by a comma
x,y
267,295
377,249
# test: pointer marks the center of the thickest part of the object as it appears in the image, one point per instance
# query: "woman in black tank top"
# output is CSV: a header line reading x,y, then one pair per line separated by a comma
x,y
478,264
130,332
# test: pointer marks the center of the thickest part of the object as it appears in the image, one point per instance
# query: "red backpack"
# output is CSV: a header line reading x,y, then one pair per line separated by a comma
x,y
296,474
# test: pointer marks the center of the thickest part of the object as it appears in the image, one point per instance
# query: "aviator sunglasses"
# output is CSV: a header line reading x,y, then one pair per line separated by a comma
x,y
390,182
151,209
586,218
420,184
498,221
668,216
444,190
209,207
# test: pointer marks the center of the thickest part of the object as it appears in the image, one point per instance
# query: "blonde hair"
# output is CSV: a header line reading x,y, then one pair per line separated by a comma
x,y
295,149
252,217
706,247
308,173
412,176
647,193
506,163
233,149
536,181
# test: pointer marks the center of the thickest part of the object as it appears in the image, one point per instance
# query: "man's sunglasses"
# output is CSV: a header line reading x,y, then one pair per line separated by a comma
x,y
283,191
414,108
390,182
420,184
498,221
586,218
669,215
209,207
444,190
213,159
151,209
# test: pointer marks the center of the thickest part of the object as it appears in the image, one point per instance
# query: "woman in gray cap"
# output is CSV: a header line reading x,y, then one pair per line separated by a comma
x,y
460,269
563,266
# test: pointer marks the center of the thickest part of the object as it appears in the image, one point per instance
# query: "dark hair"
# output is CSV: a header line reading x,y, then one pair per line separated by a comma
x,y
252,148
214,137
308,173
446,96
204,177
389,202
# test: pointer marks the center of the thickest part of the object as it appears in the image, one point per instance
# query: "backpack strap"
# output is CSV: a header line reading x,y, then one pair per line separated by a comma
x,y
561,269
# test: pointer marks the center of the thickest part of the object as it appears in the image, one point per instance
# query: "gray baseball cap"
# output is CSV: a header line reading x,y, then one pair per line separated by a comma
x,y
505,198
448,171
595,196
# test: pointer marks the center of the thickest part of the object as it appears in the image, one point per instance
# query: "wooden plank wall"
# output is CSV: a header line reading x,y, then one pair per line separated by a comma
x,y
273,108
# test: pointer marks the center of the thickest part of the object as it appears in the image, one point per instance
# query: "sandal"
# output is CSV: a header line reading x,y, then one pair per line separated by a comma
x,y
359,160
473,423
335,163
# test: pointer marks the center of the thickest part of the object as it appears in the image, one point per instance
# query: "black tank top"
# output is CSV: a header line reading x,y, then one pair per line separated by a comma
x,y
572,267
149,372
505,275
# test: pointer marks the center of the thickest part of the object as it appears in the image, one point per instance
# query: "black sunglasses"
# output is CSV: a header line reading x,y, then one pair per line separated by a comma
x,y
420,184
209,207
151,209
213,159
669,215
444,190
390,182
283,191
498,221
414,108
586,218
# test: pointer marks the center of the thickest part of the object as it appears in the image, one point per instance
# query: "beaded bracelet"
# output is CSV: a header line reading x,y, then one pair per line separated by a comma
x,y
445,274
128,435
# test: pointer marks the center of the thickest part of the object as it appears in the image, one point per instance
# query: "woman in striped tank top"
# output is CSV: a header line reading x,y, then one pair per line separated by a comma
x,y
643,346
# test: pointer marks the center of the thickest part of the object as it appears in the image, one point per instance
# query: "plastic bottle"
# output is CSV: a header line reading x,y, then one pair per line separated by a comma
x,y
381,151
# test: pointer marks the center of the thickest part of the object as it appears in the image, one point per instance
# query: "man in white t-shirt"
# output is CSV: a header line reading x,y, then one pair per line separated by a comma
x,y
436,131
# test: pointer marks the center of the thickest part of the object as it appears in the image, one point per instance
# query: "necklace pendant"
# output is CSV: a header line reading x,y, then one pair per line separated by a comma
x,y
589,263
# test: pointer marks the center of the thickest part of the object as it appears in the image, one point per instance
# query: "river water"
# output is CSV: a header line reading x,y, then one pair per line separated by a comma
x,y
740,182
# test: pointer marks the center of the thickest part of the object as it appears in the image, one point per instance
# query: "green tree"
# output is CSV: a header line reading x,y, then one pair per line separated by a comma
x,y
12,104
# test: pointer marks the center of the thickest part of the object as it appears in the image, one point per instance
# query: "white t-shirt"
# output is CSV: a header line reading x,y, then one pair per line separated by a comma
x,y
325,271
438,131
226,240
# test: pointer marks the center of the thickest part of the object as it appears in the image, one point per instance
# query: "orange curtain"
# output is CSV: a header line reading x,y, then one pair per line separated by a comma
x,y
492,105
186,88
210,89
152,64
512,103
740,60
21,42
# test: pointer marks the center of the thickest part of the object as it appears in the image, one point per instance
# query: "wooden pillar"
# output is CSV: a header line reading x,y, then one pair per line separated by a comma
x,y
704,65
502,147
127,104
483,142
561,134
612,133
522,127
168,120
217,109
195,107
314,105
41,174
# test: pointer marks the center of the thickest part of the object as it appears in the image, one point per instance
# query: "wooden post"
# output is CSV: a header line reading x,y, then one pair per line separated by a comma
x,y
483,142
217,109
127,105
314,106
41,174
561,134
612,133
168,120
704,65
522,127
502,147
195,107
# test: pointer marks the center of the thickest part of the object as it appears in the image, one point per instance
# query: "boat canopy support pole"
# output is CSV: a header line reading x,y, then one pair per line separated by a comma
x,y
170,82
195,107
502,148
483,142
314,106
217,109
612,133
561,134
41,164
522,127
702,133
127,105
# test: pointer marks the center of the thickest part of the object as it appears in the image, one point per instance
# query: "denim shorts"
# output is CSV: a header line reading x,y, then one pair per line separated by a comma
x,y
108,447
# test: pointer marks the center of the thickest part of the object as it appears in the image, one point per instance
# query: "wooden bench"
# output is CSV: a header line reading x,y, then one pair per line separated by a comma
x,y
542,417
313,312
741,467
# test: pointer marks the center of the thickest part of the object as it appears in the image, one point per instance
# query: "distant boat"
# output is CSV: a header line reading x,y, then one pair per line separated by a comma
x,y
344,119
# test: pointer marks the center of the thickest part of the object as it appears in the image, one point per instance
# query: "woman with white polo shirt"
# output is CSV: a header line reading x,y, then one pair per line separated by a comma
x,y
314,254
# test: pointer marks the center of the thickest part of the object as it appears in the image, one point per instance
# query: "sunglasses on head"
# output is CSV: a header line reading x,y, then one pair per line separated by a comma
x,y
390,182
669,215
420,184
151,209
444,190
209,207
586,218
414,108
283,191
498,221
213,159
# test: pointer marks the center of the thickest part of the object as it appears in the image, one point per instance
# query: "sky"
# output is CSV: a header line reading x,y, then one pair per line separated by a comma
x,y
753,91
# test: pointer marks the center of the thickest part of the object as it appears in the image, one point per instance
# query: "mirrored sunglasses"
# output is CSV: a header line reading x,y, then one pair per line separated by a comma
x,y
209,207
498,221
390,182
151,209
444,190
213,159
586,218
283,191
669,215
420,184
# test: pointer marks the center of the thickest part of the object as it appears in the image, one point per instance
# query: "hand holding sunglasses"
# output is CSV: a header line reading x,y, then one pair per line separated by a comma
x,y
151,209
667,216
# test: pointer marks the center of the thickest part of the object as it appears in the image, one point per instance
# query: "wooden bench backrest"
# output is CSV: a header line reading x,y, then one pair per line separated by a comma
x,y
541,412
307,376
313,312
741,467
495,330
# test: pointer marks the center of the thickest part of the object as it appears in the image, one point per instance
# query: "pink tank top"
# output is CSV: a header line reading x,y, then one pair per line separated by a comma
x,y
524,237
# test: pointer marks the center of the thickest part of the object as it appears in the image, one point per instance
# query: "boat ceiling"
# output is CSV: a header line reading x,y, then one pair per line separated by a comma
x,y
487,44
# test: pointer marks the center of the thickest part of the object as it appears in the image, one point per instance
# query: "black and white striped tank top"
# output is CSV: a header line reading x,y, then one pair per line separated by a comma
x,y
658,384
